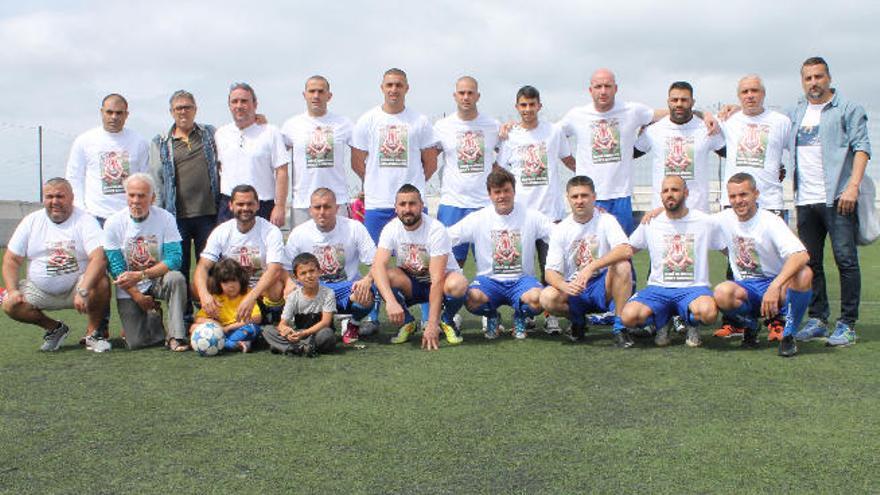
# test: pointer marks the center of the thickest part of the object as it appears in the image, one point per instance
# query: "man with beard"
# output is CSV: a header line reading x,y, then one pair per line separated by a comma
x,y
257,246
425,272
588,265
340,245
769,263
681,146
504,236
678,241
144,255
62,245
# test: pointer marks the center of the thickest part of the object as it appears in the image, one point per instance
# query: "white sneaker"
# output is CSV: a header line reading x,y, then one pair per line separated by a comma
x,y
551,325
97,345
457,321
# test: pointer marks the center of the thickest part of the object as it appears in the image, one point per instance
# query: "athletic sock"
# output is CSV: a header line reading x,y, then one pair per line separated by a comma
x,y
618,325
451,306
797,306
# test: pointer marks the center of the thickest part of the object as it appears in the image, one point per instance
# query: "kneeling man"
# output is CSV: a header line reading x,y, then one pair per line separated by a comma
x,y
588,267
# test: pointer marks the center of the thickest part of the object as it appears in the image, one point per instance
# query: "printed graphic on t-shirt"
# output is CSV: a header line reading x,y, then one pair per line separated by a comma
x,y
319,152
331,258
115,167
62,258
585,251
141,252
752,147
808,135
471,147
747,260
506,251
533,158
415,261
679,157
249,259
393,145
606,141
678,258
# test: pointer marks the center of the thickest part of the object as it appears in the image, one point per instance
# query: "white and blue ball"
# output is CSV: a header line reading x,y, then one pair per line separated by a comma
x,y
208,338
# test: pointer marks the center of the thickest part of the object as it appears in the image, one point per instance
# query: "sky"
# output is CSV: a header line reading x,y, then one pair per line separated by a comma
x,y
59,59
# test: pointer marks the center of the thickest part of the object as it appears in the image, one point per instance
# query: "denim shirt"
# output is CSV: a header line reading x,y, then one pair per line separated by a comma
x,y
162,166
843,130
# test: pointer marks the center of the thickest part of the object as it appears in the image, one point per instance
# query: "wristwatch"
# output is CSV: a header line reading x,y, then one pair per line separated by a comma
x,y
82,292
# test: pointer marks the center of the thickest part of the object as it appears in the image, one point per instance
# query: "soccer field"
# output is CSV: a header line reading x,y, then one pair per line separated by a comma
x,y
538,416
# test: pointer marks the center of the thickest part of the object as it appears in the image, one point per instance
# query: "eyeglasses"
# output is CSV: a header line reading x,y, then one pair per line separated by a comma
x,y
184,108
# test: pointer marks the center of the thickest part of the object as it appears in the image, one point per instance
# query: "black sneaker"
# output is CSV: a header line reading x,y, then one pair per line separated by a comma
x,y
54,338
750,338
787,346
577,333
623,340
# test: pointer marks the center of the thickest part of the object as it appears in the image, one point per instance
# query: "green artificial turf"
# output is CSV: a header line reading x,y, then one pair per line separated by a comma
x,y
538,416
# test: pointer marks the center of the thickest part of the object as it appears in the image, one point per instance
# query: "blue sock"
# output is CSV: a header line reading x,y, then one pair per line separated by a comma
x,y
451,306
523,310
358,311
797,306
426,308
374,313
618,325
407,316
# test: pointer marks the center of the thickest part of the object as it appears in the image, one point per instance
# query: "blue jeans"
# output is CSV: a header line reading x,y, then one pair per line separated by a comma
x,y
814,222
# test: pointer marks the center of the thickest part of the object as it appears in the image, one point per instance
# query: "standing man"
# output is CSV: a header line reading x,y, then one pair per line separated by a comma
x,y
319,140
681,146
504,236
755,138
588,264
144,255
831,152
769,264
184,163
468,140
391,145
254,154
257,245
62,245
678,242
101,158
340,244
424,273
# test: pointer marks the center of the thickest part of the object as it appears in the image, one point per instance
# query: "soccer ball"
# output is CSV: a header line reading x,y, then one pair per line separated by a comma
x,y
208,338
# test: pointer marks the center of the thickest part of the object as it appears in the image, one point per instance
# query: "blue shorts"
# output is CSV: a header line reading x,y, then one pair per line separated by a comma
x,y
622,210
755,289
421,291
591,300
449,216
664,300
342,291
376,219
506,292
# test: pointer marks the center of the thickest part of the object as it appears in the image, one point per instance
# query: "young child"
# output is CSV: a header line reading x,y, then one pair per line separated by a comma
x,y
228,282
358,208
306,326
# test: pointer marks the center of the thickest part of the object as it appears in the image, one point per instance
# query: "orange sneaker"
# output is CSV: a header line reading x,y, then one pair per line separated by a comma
x,y
728,331
774,330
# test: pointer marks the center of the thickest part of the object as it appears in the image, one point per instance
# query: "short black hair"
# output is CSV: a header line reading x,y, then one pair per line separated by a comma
x,y
409,189
816,61
740,177
304,259
580,180
227,270
529,92
498,177
682,85
115,95
243,189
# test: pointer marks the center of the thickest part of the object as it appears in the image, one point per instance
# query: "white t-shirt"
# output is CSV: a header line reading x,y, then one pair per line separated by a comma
x,y
679,249
140,242
250,156
604,144
58,253
535,159
757,248
253,250
504,244
468,155
319,148
681,150
394,143
575,245
98,164
754,146
338,251
415,248
810,171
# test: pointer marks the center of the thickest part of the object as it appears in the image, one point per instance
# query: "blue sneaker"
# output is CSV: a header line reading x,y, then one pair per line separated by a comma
x,y
520,325
843,336
491,329
814,329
